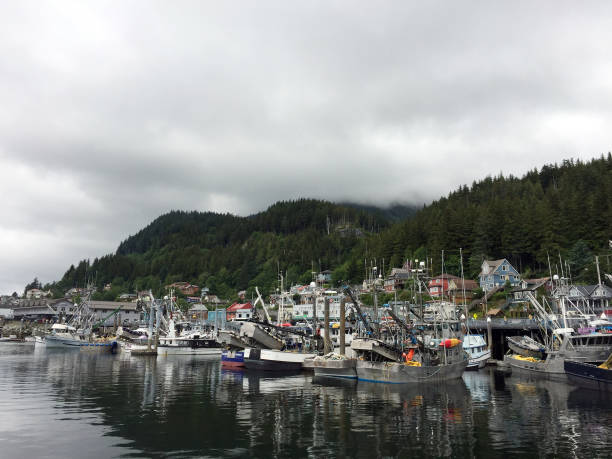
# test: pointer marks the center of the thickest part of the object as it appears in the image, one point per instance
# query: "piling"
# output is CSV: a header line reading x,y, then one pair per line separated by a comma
x,y
490,335
342,326
314,313
327,341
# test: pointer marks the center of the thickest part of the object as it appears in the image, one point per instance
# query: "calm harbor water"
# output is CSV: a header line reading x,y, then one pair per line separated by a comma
x,y
64,404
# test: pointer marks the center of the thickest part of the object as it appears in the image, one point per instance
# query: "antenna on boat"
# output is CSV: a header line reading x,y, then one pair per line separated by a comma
x,y
598,273
465,311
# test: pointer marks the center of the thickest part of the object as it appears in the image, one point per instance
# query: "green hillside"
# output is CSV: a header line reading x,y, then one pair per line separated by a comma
x,y
228,253
561,210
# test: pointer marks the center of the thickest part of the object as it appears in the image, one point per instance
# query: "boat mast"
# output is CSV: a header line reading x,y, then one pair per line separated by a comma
x,y
465,311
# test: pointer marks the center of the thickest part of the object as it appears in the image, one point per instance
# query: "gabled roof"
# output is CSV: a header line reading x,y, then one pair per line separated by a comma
x,y
607,291
239,306
112,305
494,264
468,284
587,291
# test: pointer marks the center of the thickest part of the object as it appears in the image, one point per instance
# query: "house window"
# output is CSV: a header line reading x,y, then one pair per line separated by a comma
x,y
504,268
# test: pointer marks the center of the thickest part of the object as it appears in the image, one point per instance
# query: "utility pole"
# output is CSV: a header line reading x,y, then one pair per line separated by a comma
x,y
327,341
342,325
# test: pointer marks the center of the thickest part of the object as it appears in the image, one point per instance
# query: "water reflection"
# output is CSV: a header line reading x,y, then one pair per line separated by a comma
x,y
190,407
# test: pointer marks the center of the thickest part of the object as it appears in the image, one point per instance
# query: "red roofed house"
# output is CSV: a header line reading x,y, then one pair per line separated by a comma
x,y
239,311
438,285
185,288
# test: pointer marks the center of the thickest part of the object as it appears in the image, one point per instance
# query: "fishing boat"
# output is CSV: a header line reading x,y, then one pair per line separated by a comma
x,y
232,358
429,352
64,336
334,365
275,360
588,344
438,360
589,375
477,350
191,342
526,346
278,347
100,345
11,339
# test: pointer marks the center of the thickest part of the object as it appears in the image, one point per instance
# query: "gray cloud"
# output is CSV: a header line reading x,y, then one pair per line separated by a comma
x,y
114,114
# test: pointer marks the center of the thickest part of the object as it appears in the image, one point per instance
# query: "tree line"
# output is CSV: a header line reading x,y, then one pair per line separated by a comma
x,y
562,210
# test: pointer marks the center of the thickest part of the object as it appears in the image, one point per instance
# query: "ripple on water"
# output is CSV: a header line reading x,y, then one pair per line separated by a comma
x,y
57,403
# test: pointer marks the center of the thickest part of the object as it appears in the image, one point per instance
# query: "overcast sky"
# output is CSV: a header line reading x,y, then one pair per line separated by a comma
x,y
113,113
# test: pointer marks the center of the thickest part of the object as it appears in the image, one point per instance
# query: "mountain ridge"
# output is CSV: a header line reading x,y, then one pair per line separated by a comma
x,y
560,210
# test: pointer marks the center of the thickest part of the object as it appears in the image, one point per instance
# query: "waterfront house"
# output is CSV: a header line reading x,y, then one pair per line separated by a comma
x,y
438,286
530,285
457,288
324,277
495,273
591,299
304,311
37,293
62,306
127,314
397,280
185,288
239,311
75,291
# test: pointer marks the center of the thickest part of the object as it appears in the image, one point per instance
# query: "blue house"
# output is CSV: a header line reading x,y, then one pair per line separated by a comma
x,y
495,273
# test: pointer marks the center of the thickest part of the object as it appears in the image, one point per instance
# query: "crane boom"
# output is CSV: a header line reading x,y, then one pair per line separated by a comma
x,y
360,313
259,299
398,321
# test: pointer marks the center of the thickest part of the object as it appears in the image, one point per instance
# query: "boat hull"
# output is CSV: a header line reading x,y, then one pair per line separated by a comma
x,y
271,360
518,345
187,350
589,375
335,368
552,367
110,346
399,373
62,343
232,359
477,363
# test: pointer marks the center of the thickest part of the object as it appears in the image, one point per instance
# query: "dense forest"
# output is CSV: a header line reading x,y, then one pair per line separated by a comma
x,y
563,210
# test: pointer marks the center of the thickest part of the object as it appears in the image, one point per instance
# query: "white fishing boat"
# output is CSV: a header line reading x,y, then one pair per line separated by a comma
x,y
64,336
189,343
477,350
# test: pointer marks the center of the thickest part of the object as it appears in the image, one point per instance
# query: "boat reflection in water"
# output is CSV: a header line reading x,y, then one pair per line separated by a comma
x,y
189,406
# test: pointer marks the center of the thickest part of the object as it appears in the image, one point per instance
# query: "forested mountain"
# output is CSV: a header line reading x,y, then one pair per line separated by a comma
x,y
228,253
561,210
